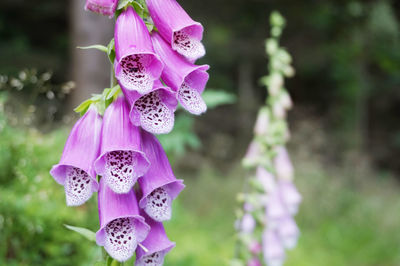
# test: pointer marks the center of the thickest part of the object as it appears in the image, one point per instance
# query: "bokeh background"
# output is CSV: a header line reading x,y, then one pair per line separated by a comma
x,y
345,128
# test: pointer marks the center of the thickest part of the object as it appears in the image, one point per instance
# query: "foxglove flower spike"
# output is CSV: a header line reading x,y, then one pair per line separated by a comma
x,y
121,161
121,226
177,28
136,65
75,169
159,185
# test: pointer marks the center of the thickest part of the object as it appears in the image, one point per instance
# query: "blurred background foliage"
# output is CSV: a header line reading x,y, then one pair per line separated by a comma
x,y
345,131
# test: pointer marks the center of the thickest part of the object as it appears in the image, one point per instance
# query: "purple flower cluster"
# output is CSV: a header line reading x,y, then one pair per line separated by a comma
x,y
142,59
154,71
280,201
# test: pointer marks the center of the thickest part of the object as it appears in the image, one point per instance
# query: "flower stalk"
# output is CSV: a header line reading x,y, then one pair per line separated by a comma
x,y
265,225
112,149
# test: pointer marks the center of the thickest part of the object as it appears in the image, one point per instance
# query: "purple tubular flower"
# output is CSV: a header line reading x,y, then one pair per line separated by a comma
x,y
273,250
136,64
290,195
159,185
288,232
276,209
121,161
254,262
177,28
75,169
255,247
104,7
283,165
185,79
266,179
154,111
121,226
262,122
157,244
248,223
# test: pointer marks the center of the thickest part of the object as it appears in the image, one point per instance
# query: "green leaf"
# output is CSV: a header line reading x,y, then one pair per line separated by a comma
x,y
109,261
150,26
276,19
88,234
138,7
111,51
113,92
123,3
83,107
95,46
101,107
214,98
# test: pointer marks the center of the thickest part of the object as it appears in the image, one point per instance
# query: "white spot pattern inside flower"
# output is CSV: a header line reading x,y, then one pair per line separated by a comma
x,y
155,116
78,186
191,99
158,205
186,45
154,259
120,242
120,173
135,74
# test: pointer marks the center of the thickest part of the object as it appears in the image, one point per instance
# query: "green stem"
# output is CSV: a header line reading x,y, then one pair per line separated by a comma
x,y
113,80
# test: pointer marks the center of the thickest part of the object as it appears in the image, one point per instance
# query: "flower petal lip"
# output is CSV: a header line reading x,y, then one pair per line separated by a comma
x,y
283,164
104,7
273,250
160,173
169,18
118,134
167,98
156,240
289,192
288,232
81,148
176,69
132,39
113,206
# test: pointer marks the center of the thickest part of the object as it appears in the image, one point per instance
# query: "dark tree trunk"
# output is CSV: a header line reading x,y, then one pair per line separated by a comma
x,y
90,69
246,98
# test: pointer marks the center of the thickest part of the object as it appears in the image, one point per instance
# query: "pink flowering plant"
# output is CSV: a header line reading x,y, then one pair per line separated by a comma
x,y
265,224
112,149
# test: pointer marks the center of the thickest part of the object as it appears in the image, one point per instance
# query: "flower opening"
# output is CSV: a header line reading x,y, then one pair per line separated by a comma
x,y
188,46
154,259
120,174
191,99
134,72
158,205
78,186
121,240
155,116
